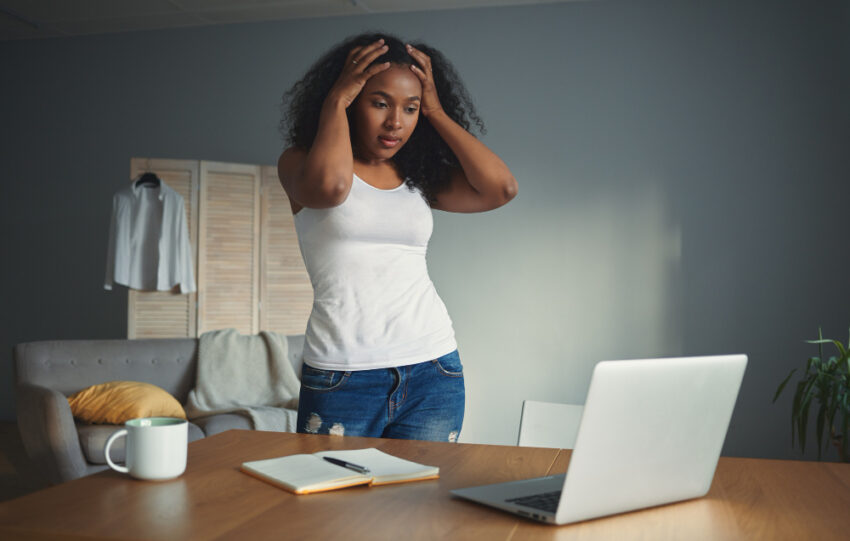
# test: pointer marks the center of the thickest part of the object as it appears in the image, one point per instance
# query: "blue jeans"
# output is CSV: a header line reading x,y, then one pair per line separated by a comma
x,y
423,401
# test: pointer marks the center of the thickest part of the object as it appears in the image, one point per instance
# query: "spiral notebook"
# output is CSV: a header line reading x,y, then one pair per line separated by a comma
x,y
310,473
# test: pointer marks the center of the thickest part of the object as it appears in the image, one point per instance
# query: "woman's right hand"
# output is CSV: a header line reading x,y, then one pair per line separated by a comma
x,y
355,73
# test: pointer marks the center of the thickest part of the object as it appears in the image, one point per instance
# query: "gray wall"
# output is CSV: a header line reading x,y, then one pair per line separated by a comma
x,y
682,169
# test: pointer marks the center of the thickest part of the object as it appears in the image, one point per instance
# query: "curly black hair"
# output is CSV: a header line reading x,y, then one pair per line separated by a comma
x,y
426,161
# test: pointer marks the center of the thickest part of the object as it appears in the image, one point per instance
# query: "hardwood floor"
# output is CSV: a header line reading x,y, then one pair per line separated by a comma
x,y
17,475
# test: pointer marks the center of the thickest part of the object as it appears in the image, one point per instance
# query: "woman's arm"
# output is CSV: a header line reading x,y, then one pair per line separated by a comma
x,y
484,182
321,176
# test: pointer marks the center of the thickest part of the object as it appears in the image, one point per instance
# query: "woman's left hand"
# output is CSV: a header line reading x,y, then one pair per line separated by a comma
x,y
430,103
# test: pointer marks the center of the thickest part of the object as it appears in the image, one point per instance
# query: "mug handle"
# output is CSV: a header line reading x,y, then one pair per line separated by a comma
x,y
112,438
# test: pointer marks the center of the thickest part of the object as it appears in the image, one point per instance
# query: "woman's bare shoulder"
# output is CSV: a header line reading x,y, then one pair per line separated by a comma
x,y
291,161
289,166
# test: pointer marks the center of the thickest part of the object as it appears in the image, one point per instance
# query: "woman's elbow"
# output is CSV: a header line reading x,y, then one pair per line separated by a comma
x,y
501,196
321,194
336,193
509,190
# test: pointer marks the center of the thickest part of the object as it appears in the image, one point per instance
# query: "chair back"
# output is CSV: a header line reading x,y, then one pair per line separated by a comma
x,y
548,424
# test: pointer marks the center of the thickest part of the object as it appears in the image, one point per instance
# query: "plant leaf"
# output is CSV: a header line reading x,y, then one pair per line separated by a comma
x,y
845,438
804,422
819,426
841,348
838,345
783,384
826,396
820,341
813,362
795,410
832,410
803,419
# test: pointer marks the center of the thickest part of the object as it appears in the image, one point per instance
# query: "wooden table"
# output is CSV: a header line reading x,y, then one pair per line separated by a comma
x,y
749,499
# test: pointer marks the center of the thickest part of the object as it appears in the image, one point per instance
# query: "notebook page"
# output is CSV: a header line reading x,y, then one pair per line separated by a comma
x,y
300,471
382,466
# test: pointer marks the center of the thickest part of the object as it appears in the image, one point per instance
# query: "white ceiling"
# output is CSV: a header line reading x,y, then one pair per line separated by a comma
x,y
29,19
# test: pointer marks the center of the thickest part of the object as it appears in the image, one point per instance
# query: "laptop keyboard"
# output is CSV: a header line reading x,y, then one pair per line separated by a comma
x,y
547,501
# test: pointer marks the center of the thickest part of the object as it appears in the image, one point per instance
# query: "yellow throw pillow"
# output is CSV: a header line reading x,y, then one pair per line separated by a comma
x,y
114,402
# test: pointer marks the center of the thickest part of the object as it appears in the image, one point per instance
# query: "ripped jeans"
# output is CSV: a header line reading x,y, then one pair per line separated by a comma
x,y
423,401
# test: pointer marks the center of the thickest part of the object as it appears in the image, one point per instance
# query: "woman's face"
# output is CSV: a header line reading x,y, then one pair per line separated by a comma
x,y
385,113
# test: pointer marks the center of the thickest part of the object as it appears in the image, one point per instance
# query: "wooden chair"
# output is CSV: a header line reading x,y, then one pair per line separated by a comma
x,y
547,424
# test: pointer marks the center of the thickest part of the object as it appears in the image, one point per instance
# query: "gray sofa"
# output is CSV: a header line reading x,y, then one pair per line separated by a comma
x,y
46,373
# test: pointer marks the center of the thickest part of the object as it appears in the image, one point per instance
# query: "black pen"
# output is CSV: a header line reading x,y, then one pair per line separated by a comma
x,y
344,464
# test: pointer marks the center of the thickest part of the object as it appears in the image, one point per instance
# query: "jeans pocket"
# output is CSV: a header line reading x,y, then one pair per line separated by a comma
x,y
449,365
317,379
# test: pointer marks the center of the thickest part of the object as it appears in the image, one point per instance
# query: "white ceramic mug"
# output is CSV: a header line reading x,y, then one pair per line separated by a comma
x,y
156,448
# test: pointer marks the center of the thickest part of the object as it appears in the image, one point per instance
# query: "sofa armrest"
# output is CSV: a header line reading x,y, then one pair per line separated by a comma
x,y
48,432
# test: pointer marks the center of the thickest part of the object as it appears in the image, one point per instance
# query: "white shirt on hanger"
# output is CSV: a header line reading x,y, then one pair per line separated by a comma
x,y
149,240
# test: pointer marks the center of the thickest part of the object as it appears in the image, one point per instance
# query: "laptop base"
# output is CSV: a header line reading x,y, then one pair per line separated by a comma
x,y
497,495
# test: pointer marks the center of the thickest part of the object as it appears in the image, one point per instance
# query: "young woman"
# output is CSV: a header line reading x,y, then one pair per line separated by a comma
x,y
378,134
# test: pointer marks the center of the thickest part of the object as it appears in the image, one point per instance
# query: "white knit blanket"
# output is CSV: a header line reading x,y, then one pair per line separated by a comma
x,y
248,374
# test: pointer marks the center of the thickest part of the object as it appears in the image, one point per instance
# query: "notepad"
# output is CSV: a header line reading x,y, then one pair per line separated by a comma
x,y
306,474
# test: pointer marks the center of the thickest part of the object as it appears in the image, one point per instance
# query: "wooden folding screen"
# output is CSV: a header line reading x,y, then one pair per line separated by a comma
x,y
248,266
229,247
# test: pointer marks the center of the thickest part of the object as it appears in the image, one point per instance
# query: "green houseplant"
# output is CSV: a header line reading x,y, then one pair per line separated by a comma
x,y
827,382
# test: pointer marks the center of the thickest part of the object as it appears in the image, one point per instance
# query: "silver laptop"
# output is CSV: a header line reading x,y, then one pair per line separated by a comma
x,y
650,434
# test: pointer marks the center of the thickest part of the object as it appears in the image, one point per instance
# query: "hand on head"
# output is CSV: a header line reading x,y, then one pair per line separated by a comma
x,y
357,71
430,100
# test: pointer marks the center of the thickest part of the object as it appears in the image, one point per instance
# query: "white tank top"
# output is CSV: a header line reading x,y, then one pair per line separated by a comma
x,y
374,305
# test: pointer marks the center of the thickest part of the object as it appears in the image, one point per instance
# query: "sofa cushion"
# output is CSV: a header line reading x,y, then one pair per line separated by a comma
x,y
93,440
213,424
115,402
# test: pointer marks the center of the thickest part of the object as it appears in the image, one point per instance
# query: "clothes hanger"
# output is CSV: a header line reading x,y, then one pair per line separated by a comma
x,y
148,179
